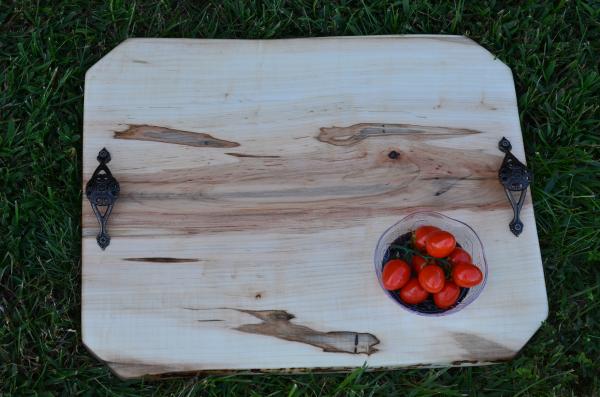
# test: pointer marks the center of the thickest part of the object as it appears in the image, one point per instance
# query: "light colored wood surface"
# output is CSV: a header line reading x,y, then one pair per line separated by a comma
x,y
255,183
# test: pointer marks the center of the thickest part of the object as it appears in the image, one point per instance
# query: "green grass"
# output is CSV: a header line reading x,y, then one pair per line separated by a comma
x,y
45,49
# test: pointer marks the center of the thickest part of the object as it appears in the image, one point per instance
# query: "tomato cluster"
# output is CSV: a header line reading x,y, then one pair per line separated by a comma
x,y
438,268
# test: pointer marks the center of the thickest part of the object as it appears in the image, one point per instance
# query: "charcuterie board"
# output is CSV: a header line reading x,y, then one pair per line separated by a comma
x,y
256,178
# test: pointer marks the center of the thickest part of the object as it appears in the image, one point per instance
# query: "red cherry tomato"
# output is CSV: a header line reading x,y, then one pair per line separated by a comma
x,y
412,293
432,278
418,263
466,275
447,296
459,255
440,244
395,274
420,236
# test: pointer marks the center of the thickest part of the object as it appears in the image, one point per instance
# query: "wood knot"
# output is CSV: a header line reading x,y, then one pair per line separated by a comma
x,y
394,155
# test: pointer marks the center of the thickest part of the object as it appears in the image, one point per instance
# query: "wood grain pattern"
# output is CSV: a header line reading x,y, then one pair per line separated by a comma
x,y
344,136
168,135
340,187
256,178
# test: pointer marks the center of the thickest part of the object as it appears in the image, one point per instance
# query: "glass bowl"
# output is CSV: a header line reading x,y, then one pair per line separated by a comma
x,y
465,237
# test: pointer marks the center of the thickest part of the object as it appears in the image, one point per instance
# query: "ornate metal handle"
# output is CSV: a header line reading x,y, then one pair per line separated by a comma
x,y
102,190
515,177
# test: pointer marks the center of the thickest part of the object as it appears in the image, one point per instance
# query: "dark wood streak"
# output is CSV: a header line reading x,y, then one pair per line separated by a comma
x,y
419,365
447,184
347,136
143,132
463,362
162,260
254,156
481,349
278,323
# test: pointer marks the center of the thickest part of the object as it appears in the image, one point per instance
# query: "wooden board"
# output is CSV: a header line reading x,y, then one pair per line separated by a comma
x,y
255,182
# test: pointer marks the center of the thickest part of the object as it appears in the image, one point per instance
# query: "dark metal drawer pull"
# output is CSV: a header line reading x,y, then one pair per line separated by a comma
x,y
515,177
102,190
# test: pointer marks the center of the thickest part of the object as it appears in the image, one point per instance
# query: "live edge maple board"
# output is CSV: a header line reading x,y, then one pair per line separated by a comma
x,y
256,179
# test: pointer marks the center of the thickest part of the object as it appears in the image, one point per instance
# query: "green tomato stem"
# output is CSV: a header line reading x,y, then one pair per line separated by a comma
x,y
443,263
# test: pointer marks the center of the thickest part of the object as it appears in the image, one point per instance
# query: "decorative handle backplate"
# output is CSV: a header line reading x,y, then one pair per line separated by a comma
x,y
102,190
515,177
